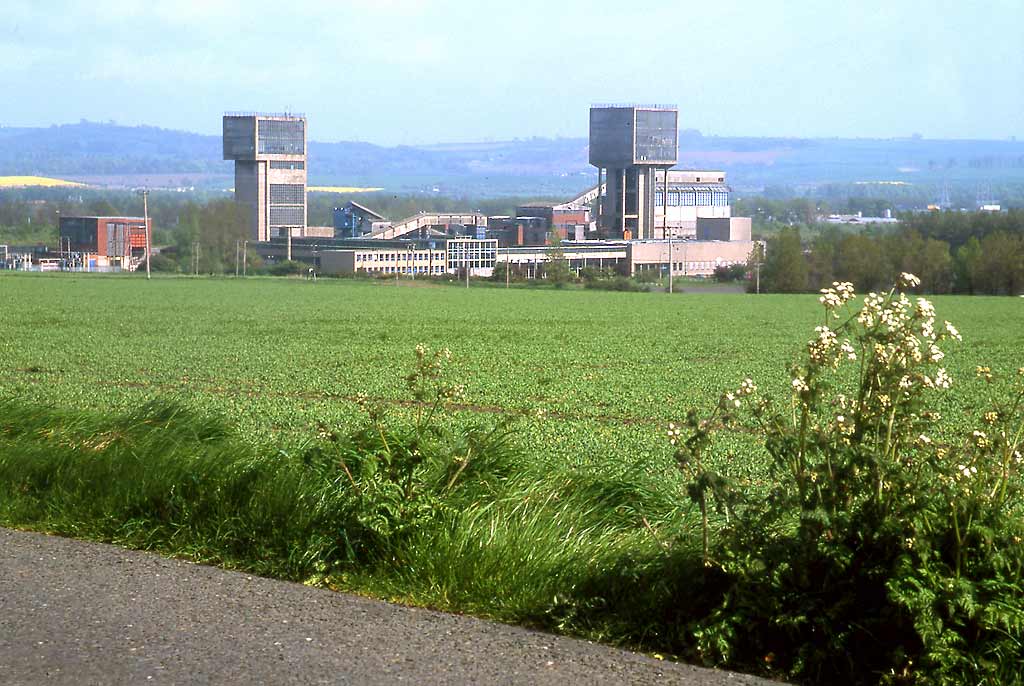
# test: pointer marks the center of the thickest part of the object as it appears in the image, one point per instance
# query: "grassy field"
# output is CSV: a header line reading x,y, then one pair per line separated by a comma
x,y
280,356
198,417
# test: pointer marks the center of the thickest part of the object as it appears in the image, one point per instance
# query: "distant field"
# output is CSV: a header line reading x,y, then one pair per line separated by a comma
x,y
279,356
39,181
341,189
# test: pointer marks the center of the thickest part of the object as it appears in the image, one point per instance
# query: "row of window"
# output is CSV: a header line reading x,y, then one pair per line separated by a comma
x,y
282,137
679,267
285,164
435,269
397,257
693,198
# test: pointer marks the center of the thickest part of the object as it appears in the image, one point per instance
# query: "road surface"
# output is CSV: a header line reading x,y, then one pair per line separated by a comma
x,y
75,612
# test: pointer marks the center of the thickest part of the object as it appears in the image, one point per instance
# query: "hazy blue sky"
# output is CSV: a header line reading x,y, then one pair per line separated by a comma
x,y
415,71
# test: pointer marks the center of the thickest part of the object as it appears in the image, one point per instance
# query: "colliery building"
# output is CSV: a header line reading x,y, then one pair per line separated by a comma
x,y
642,215
269,151
103,243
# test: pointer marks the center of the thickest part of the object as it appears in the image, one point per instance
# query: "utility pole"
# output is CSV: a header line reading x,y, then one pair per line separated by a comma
x,y
757,269
508,267
236,258
60,241
245,256
664,229
670,263
145,218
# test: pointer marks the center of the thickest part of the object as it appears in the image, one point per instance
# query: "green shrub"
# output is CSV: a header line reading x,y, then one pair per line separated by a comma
x,y
889,547
727,273
287,268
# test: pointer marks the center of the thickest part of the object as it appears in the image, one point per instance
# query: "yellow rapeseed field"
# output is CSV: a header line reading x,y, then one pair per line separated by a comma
x,y
25,181
340,189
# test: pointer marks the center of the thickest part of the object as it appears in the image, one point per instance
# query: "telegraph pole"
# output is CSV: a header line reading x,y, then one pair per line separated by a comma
x,y
670,263
245,256
145,218
664,228
757,269
236,258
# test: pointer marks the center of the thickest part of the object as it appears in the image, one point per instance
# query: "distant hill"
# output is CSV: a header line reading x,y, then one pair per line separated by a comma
x,y
108,154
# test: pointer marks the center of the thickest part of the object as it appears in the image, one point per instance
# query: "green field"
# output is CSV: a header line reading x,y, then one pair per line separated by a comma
x,y
219,420
280,356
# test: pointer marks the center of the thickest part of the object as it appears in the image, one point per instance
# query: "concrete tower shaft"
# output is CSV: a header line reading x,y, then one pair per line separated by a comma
x,y
629,144
269,151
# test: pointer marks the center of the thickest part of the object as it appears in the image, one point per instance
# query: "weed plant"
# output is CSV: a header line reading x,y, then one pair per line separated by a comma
x,y
882,553
411,506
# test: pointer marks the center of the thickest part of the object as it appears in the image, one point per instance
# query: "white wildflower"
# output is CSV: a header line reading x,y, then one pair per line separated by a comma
x,y
908,280
925,308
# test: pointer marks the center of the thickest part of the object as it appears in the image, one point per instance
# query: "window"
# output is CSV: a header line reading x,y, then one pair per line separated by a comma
x,y
673,198
284,215
287,193
282,137
285,164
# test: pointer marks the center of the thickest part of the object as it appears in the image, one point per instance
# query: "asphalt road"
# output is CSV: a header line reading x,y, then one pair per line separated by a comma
x,y
74,612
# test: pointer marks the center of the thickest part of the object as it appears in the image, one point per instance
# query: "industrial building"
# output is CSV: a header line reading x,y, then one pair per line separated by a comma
x,y
630,145
354,220
101,243
641,216
428,256
269,151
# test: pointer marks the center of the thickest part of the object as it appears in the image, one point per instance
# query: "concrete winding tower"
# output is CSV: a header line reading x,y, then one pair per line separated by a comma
x,y
628,145
269,151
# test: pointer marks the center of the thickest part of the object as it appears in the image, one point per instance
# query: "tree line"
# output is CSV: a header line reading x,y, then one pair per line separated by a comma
x,y
951,252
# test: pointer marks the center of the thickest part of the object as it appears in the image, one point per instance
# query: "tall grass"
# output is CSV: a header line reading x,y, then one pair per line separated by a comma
x,y
511,538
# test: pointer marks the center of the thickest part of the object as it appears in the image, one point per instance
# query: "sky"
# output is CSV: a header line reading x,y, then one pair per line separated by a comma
x,y
423,71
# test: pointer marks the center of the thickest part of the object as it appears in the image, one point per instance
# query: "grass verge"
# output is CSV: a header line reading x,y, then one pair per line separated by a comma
x,y
457,521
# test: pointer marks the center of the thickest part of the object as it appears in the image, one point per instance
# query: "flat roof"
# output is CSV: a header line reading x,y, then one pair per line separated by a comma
x,y
89,216
267,115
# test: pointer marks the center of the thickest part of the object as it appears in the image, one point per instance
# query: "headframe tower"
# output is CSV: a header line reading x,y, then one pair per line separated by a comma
x,y
269,151
628,145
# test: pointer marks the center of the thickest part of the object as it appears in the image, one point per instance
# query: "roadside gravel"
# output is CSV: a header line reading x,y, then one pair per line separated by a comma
x,y
75,612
